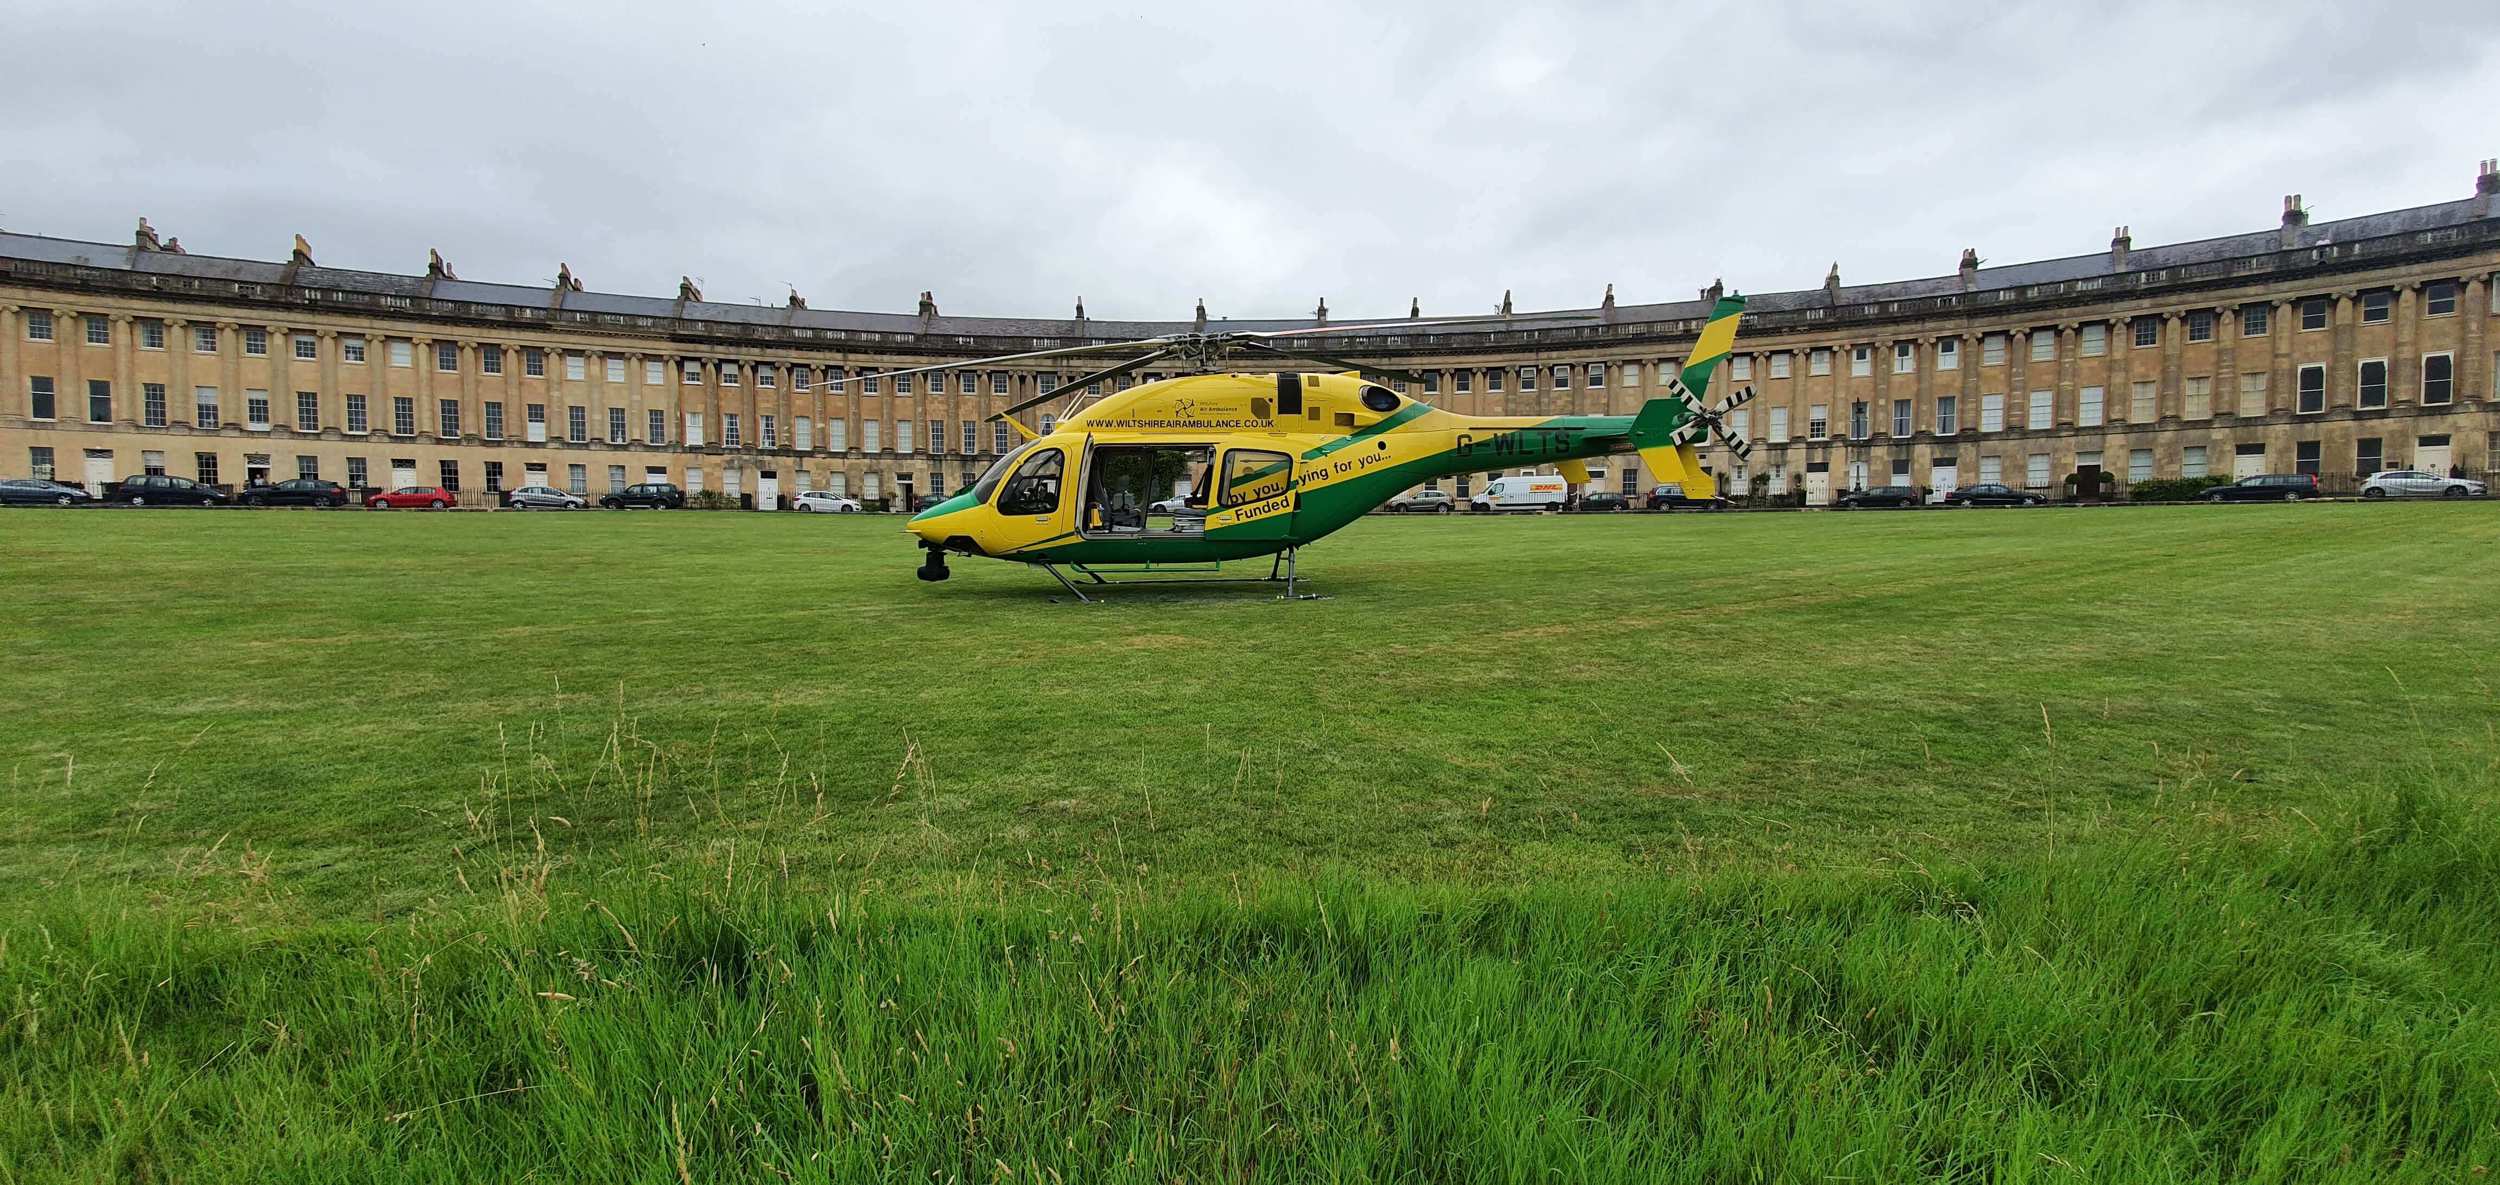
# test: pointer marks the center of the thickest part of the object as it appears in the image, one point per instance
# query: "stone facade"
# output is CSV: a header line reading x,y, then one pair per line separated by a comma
x,y
2334,347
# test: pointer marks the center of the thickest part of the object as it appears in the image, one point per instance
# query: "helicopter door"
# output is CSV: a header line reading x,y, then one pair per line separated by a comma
x,y
1253,485
1034,502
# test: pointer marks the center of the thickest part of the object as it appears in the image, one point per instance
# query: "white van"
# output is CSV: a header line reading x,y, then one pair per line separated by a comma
x,y
1529,491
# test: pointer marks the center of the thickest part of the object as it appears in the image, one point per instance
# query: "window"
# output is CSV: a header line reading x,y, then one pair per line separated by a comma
x,y
494,477
2095,340
1904,357
151,334
2192,461
803,436
1857,420
357,476
2438,385
971,439
1779,423
728,374
1819,362
533,362
307,411
2147,332
256,341
99,330
256,410
307,347
447,360
99,401
577,479
765,376
535,416
490,359
402,353
204,407
615,369
577,425
39,328
2305,457
998,382
1900,417
494,419
152,404
1562,378
1818,421
616,425
204,341
356,414
2377,306
1992,350
2439,298
902,435
2088,410
2043,345
2372,391
2036,470
1493,381
1629,373
730,431
1992,413
2139,464
2199,399
1948,415
654,373
967,382
39,462
576,367
307,468
39,397
2312,390
403,415
2368,456
655,428
2252,394
352,350
1780,363
2254,322
2043,411
1597,375
1035,487
999,441
448,412
1527,378
205,464
768,434
450,473
1861,361
1740,366
1251,475
690,373
2200,325
937,436
1949,353
2313,314
1991,470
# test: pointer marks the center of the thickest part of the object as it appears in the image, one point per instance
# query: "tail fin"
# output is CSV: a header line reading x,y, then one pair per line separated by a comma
x,y
1661,432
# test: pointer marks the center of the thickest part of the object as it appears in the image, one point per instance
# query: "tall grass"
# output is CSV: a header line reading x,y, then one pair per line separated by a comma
x,y
2185,1003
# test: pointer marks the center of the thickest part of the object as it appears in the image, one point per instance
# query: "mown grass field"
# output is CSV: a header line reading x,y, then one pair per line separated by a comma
x,y
2064,845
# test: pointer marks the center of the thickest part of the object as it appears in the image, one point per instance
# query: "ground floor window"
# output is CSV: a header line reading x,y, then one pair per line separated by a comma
x,y
2139,464
451,476
838,484
2367,453
205,464
356,475
2036,470
39,462
308,468
577,479
152,463
494,477
2192,461
2305,457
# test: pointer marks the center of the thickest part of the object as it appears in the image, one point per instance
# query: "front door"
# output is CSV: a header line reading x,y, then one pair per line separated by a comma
x,y
403,475
99,471
2248,463
768,490
2430,455
1943,478
1818,487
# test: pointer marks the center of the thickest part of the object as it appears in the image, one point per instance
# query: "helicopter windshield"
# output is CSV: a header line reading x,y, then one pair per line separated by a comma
x,y
997,472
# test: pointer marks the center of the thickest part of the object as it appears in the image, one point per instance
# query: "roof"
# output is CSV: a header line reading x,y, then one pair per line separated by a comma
x,y
128,258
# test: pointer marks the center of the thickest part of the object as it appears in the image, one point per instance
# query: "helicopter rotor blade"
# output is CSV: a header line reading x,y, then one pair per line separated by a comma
x,y
1375,373
1083,381
1143,343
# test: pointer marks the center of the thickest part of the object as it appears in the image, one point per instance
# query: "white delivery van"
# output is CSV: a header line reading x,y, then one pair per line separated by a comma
x,y
1527,491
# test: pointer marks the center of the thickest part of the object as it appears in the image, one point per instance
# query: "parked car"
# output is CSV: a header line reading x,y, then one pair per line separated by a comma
x,y
2266,487
1878,497
1671,496
36,491
825,502
301,491
1176,504
161,490
543,498
1603,503
650,495
1422,502
411,498
1522,491
924,501
2416,483
1989,493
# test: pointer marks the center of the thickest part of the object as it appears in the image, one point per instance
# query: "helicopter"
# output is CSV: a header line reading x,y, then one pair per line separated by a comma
x,y
1187,473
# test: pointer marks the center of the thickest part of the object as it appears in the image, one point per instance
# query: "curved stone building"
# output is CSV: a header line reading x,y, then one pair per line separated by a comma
x,y
2336,348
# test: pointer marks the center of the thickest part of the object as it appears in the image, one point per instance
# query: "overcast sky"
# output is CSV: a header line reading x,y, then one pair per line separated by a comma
x,y
1014,157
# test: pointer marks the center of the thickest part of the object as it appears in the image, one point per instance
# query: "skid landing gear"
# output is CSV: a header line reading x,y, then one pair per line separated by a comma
x,y
1279,572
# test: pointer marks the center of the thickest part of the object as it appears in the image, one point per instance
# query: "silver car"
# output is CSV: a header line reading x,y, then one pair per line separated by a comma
x,y
543,498
2416,483
825,502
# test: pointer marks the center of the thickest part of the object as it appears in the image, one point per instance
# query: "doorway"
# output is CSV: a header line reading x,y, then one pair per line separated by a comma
x,y
1147,489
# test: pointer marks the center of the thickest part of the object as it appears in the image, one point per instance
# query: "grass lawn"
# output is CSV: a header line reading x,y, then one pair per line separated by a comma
x,y
2073,845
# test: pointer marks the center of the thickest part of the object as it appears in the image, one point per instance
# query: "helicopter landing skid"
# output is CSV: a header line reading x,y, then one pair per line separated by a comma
x,y
1279,572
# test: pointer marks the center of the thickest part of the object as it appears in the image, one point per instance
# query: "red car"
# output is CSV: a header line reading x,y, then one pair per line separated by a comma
x,y
411,497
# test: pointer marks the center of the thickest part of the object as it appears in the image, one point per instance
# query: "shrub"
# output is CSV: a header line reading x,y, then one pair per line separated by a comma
x,y
2173,489
710,500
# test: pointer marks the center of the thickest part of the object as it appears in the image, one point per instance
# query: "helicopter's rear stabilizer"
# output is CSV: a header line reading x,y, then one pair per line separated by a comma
x,y
1663,432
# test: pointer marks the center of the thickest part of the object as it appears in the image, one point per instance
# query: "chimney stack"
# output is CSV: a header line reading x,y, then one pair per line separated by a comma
x,y
2295,216
145,239
687,293
1505,310
2121,241
1831,284
1321,313
1199,321
2487,189
1969,268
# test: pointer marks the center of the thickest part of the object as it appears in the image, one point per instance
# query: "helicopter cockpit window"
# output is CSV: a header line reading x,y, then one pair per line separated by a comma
x,y
1251,475
1035,487
1137,489
997,472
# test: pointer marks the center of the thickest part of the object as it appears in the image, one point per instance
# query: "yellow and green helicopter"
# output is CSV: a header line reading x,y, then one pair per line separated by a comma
x,y
1214,467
